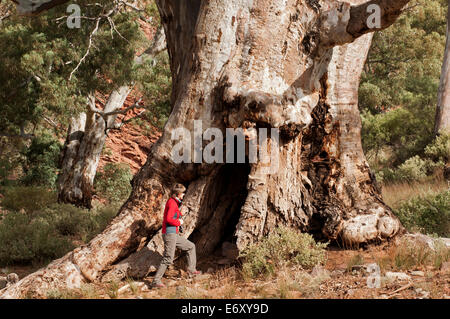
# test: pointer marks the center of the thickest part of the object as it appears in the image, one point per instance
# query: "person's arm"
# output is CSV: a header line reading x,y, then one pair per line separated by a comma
x,y
170,215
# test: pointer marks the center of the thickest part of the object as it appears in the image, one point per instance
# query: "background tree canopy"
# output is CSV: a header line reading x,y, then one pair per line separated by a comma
x,y
398,89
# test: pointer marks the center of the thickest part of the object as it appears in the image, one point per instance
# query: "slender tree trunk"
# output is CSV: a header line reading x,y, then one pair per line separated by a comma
x,y
442,123
82,151
263,64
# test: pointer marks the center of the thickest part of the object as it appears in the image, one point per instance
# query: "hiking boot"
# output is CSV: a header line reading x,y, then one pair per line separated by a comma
x,y
194,273
158,285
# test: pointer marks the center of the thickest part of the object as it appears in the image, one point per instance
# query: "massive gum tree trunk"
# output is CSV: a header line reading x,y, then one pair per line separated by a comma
x,y
282,64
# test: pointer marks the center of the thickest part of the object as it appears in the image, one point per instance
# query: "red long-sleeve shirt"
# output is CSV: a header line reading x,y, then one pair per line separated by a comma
x,y
172,215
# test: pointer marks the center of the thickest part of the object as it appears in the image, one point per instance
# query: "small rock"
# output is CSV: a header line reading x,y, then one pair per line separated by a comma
x,y
210,270
3,282
397,276
423,293
418,273
12,278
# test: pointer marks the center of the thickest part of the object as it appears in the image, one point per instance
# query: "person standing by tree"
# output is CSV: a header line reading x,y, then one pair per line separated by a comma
x,y
170,230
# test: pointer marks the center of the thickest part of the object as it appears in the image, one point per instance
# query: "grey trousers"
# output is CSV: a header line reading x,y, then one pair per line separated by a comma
x,y
171,242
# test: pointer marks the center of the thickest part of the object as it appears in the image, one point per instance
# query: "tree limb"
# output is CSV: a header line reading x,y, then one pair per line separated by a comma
x,y
27,7
342,23
390,11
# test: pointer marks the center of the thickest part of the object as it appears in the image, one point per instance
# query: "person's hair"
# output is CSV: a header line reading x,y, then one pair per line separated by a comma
x,y
178,189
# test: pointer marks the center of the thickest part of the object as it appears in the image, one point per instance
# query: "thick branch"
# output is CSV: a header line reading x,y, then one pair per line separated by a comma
x,y
342,23
27,7
359,15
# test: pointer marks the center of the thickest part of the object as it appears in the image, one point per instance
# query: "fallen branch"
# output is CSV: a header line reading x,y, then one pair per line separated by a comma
x,y
401,289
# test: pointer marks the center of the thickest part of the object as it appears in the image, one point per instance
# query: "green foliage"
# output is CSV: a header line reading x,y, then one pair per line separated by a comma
x,y
26,239
283,246
439,149
155,81
35,72
45,230
41,161
414,168
31,199
6,167
398,89
405,131
404,63
114,182
72,221
429,214
417,168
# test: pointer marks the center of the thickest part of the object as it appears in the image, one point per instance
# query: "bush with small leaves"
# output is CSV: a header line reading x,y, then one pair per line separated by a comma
x,y
114,182
283,246
30,199
429,214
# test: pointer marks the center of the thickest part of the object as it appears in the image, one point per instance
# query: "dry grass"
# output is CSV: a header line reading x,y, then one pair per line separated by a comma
x,y
408,256
395,194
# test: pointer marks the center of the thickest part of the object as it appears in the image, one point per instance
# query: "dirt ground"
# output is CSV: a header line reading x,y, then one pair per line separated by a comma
x,y
343,276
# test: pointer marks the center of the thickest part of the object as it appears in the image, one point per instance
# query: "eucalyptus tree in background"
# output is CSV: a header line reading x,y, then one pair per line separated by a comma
x,y
52,73
442,123
87,135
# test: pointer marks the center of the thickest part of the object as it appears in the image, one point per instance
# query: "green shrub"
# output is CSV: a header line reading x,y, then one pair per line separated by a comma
x,y
283,246
30,199
49,233
41,164
25,239
114,182
429,214
439,149
414,168
80,223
